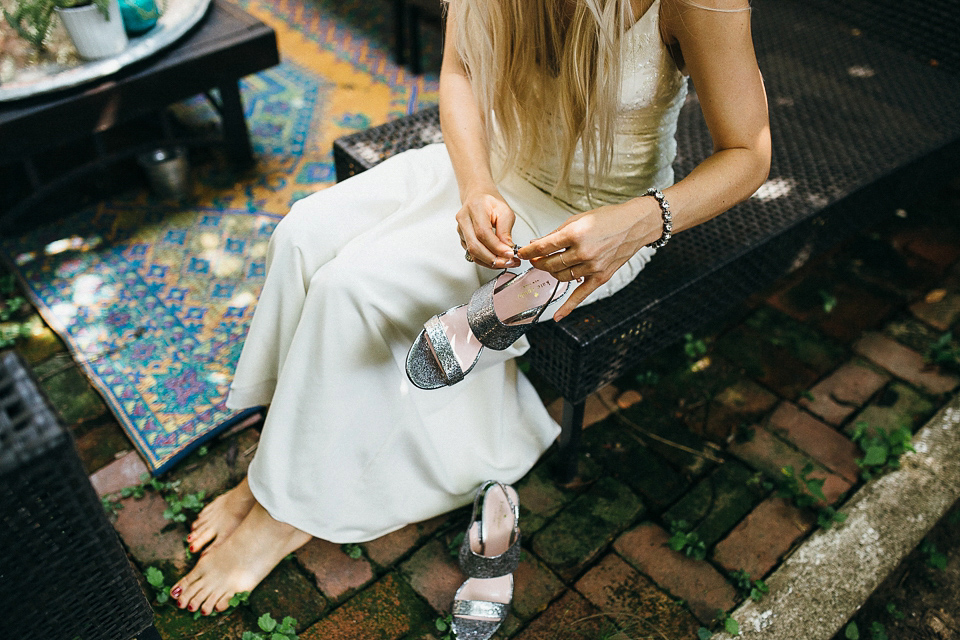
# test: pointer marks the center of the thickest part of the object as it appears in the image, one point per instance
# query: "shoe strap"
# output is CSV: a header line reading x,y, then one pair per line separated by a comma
x,y
477,565
487,326
480,609
443,350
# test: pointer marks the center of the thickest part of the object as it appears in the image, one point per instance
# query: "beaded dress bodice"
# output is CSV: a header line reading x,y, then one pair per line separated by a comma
x,y
644,147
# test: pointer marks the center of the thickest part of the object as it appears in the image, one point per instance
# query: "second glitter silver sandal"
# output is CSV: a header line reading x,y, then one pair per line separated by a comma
x,y
489,554
499,313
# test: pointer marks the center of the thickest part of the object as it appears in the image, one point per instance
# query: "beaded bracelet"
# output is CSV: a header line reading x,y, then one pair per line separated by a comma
x,y
667,218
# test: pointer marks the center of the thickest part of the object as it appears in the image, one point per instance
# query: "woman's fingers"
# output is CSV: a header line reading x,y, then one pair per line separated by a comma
x,y
577,296
485,224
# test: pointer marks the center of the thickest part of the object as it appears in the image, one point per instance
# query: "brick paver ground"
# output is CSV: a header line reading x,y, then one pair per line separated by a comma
x,y
683,449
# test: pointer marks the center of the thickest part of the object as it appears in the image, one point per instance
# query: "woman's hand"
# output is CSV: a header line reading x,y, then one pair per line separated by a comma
x,y
484,224
593,245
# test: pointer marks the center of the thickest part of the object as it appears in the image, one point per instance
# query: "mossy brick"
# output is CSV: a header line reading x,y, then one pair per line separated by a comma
x,y
287,592
535,586
911,333
668,425
717,503
801,341
940,312
224,466
387,610
126,471
823,443
73,397
743,402
586,526
764,536
179,624
896,406
434,574
100,444
853,306
385,550
770,365
336,574
40,343
905,363
634,602
570,617
770,454
876,261
837,396
940,245
149,536
619,451
540,497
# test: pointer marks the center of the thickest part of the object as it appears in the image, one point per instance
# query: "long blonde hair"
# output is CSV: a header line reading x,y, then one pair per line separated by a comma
x,y
549,79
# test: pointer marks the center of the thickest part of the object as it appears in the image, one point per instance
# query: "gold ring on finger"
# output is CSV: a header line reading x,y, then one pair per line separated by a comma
x,y
572,277
468,257
562,261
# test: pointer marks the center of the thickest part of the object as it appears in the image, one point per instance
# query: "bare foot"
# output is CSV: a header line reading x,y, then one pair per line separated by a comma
x,y
238,563
218,519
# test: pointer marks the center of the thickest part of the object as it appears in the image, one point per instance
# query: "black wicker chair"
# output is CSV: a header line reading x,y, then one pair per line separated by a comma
x,y
63,573
409,17
861,123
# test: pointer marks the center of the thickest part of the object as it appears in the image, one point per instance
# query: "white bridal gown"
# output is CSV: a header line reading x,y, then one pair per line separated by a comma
x,y
351,450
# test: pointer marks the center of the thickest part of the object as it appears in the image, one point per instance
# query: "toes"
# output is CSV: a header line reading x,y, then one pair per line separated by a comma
x,y
200,538
199,598
223,603
187,589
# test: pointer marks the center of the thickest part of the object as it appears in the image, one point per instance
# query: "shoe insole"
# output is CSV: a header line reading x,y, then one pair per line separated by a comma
x,y
499,589
497,521
520,299
465,345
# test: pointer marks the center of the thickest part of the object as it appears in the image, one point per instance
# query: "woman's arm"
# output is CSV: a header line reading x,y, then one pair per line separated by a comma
x,y
485,220
718,53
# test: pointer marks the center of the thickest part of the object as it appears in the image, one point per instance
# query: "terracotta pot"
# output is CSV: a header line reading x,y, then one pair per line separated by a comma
x,y
94,36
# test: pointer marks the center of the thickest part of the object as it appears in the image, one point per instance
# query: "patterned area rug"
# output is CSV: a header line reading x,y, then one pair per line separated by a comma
x,y
154,298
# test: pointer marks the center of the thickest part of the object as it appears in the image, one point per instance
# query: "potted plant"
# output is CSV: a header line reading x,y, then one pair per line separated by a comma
x,y
31,19
95,26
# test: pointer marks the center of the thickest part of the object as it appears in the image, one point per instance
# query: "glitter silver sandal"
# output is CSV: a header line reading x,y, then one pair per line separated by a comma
x,y
489,554
449,345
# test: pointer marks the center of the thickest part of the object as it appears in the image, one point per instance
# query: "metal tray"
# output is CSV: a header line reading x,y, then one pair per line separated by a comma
x,y
52,74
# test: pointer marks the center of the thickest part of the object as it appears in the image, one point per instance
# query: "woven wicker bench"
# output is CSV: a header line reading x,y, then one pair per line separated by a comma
x,y
862,122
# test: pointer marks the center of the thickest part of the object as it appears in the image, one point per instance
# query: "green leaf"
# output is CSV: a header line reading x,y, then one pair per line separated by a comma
x,y
288,626
279,636
876,455
878,631
678,541
704,634
155,577
440,624
731,626
937,560
266,622
815,487
851,632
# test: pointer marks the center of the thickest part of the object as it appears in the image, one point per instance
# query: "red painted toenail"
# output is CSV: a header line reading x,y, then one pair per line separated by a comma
x,y
176,591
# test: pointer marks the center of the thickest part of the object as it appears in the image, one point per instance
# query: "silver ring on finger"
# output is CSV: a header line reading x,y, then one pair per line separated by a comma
x,y
468,257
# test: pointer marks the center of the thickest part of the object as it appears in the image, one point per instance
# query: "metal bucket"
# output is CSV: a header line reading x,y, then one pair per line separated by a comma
x,y
168,172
